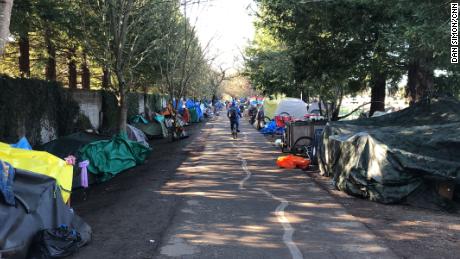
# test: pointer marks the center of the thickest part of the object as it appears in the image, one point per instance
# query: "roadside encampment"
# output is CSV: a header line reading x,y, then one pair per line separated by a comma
x,y
410,156
38,201
109,157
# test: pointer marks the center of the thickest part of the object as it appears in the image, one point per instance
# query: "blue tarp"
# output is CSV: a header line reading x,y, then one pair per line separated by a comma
x,y
6,183
180,109
271,128
23,144
190,104
159,118
199,111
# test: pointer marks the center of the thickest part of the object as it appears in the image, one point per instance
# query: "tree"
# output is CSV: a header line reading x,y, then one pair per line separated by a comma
x,y
342,47
425,29
179,58
5,15
128,31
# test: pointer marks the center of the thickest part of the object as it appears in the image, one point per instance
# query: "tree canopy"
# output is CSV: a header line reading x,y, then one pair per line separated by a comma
x,y
118,45
329,49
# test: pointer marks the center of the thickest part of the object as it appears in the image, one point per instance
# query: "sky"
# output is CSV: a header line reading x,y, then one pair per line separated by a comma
x,y
227,25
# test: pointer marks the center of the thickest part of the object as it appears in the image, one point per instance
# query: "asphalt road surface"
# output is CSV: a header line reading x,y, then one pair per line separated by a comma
x,y
237,204
210,196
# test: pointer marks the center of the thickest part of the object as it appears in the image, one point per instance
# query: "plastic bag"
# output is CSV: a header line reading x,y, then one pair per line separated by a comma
x,y
291,162
286,162
55,243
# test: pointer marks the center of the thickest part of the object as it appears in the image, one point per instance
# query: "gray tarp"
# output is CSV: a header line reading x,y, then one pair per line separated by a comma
x,y
392,158
38,206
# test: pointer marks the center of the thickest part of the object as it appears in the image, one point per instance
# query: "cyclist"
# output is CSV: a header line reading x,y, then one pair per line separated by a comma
x,y
234,114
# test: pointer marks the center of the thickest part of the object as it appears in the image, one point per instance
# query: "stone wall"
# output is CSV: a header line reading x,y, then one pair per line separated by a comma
x,y
90,103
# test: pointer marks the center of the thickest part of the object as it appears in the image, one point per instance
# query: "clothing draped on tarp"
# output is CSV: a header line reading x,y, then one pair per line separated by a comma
x,y
110,157
398,157
40,207
42,163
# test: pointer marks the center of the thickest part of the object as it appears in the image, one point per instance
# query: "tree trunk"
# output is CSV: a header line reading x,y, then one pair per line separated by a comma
x,y
378,93
105,77
5,15
146,103
420,79
85,74
24,55
123,113
50,69
320,106
123,102
336,107
72,67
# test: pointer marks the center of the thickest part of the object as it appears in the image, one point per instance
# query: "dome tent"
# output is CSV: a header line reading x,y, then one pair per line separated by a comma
x,y
293,106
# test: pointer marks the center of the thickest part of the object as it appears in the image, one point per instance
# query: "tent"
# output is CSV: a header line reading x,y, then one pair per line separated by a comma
x,y
42,163
403,156
270,106
137,135
293,106
154,128
70,145
110,157
161,120
41,207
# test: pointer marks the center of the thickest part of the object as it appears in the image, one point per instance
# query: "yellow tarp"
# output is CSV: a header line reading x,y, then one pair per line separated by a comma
x,y
271,105
41,163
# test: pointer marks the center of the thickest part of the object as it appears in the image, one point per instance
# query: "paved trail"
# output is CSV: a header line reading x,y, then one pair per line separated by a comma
x,y
237,204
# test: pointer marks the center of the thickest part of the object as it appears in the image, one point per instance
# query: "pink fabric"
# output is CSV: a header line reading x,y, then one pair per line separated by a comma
x,y
70,160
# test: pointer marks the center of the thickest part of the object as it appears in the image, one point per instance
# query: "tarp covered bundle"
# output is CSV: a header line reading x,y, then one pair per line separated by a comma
x,y
39,206
396,157
41,163
271,128
70,144
110,157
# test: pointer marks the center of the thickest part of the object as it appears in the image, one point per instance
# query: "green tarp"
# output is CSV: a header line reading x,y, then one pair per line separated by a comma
x,y
194,115
399,157
110,157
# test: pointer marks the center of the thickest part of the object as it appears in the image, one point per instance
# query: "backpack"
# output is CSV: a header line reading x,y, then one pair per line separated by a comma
x,y
233,114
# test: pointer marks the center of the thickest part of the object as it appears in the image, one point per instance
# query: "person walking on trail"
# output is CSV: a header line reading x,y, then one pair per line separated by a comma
x,y
234,114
